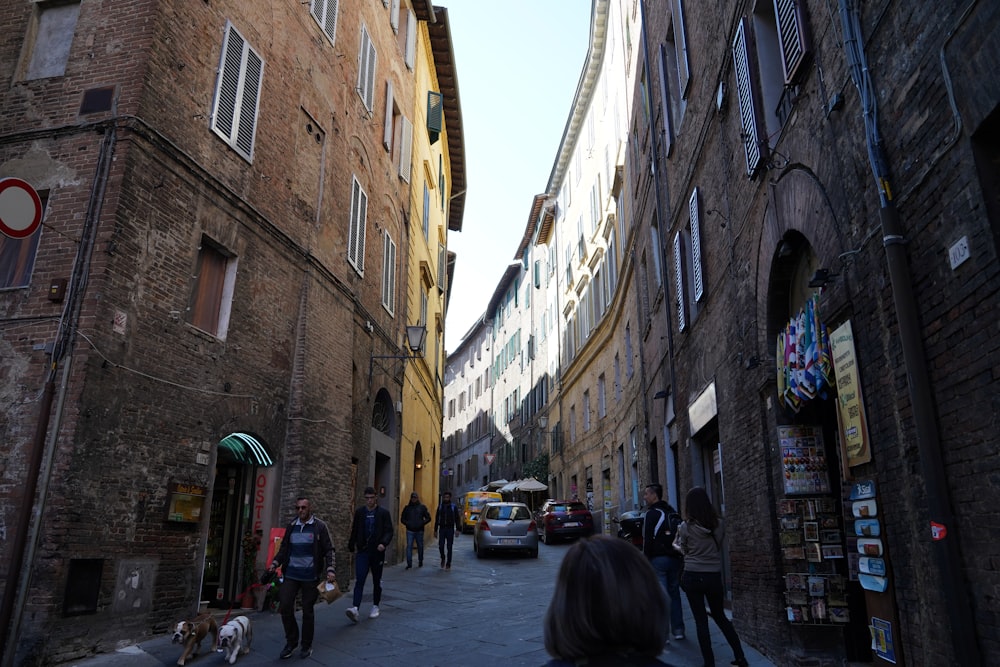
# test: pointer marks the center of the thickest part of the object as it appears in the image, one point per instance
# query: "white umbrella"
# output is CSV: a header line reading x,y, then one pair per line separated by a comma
x,y
496,484
531,484
509,487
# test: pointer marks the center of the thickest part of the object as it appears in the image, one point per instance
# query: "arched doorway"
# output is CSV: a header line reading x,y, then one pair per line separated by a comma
x,y
232,543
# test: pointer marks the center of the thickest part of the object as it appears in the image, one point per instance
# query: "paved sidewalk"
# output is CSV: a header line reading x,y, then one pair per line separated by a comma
x,y
481,612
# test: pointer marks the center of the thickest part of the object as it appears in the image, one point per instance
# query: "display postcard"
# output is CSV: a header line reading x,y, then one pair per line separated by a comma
x,y
853,559
787,506
817,586
796,597
831,551
813,552
790,538
811,529
793,553
819,609
837,595
839,614
809,509
795,582
789,523
829,522
826,505
830,537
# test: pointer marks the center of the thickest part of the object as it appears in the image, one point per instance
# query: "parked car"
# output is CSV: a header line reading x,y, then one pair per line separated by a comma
x,y
505,527
564,519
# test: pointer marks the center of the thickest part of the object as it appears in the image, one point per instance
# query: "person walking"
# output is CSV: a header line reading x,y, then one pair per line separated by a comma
x,y
607,609
447,526
305,551
659,530
371,534
699,539
414,516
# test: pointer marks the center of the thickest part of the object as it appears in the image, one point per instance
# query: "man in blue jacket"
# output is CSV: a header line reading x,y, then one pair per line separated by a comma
x,y
306,551
659,528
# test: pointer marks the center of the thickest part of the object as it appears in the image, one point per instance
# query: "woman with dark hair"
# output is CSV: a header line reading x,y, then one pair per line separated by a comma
x,y
699,538
608,608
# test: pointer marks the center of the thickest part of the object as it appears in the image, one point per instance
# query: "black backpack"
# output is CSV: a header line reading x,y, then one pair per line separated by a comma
x,y
666,532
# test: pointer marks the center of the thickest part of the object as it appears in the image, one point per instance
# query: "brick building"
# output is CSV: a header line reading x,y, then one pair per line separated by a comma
x,y
776,158
185,345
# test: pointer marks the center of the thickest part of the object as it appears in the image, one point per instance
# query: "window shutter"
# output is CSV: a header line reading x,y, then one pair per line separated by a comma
x,y
388,274
665,112
435,106
679,283
366,69
394,16
406,150
746,86
680,43
411,40
442,266
238,95
695,212
794,37
325,13
359,217
387,127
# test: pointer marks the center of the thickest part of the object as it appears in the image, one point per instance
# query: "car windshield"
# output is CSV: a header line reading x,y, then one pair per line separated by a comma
x,y
568,507
512,512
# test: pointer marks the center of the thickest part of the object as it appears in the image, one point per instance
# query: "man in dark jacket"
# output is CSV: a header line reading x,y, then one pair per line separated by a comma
x,y
414,516
447,524
371,534
306,551
658,531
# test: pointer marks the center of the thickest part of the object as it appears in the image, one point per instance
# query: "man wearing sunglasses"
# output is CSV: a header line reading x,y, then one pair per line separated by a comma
x,y
305,551
371,534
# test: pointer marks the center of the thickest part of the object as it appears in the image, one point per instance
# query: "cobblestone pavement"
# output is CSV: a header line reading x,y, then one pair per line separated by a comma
x,y
481,612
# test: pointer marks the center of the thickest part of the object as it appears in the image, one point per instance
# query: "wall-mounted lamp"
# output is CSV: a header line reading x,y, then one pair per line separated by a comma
x,y
415,335
821,278
418,465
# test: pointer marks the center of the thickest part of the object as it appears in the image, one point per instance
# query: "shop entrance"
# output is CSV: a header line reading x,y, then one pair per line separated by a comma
x,y
231,546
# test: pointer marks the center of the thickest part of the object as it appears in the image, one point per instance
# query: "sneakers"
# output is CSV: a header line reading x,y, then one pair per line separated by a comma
x,y
448,566
352,614
442,562
374,612
409,566
306,652
287,652
678,635
421,564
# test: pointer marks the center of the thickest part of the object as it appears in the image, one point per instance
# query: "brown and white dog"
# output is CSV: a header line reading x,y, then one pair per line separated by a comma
x,y
191,634
235,638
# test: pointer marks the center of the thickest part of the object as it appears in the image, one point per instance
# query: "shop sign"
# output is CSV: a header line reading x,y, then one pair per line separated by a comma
x,y
882,639
850,404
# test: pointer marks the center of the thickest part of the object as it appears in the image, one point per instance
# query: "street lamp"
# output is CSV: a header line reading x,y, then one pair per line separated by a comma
x,y
415,335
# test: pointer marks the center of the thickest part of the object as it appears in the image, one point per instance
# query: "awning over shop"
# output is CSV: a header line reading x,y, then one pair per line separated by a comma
x,y
247,449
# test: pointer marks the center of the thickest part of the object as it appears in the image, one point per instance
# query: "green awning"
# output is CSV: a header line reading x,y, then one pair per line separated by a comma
x,y
247,449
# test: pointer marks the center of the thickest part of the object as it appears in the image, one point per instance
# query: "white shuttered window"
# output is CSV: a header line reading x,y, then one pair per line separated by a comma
x,y
358,224
237,93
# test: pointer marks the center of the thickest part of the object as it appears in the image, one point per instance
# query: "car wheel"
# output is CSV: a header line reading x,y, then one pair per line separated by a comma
x,y
480,553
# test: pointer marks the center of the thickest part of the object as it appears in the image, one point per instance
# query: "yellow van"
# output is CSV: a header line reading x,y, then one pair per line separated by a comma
x,y
471,503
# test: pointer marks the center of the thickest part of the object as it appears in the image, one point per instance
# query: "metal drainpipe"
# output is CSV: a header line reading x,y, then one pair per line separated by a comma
x,y
942,530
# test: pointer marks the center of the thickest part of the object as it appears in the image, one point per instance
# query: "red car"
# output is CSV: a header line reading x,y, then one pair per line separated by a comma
x,y
564,518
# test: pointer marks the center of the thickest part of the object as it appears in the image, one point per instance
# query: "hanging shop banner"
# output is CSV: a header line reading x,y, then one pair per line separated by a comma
x,y
850,404
803,356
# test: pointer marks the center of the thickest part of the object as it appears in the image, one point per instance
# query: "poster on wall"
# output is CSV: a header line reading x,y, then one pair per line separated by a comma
x,y
803,460
850,404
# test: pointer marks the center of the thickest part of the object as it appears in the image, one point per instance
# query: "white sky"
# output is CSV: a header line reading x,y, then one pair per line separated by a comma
x,y
518,64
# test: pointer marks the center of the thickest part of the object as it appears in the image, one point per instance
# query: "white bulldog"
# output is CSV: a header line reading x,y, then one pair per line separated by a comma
x,y
235,638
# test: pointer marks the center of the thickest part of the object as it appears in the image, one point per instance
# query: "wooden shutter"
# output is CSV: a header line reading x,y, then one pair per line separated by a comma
x,y
410,55
793,35
387,126
435,108
679,282
254,73
237,96
666,112
744,69
394,16
680,44
405,149
356,237
695,213
325,13
366,69
388,274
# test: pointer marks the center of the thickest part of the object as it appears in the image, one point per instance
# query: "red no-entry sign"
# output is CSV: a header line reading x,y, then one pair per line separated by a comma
x,y
20,208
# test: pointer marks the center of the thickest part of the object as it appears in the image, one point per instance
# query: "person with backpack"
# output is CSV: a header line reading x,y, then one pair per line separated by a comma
x,y
659,530
447,526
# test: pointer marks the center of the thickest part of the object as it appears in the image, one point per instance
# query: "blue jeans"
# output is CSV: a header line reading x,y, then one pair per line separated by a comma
x,y
702,586
367,562
668,570
411,537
